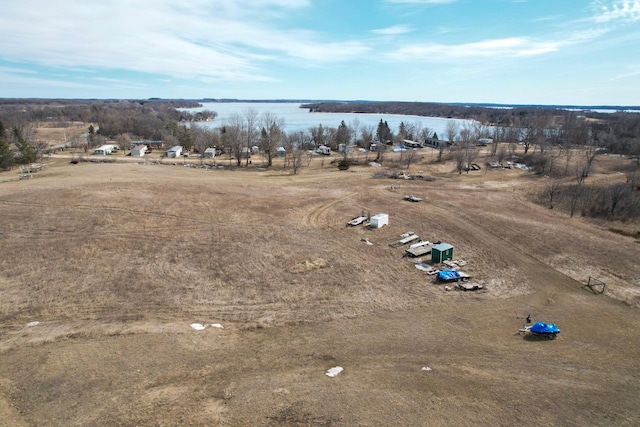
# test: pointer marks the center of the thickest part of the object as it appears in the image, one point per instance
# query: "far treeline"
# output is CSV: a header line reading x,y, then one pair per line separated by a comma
x,y
559,143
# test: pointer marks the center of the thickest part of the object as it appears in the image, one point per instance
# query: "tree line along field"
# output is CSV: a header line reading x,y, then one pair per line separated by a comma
x,y
116,260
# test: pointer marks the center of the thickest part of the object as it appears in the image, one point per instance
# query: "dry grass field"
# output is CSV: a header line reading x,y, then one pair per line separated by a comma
x,y
117,260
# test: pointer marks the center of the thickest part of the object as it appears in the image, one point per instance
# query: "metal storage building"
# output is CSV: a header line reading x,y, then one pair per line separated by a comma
x,y
441,252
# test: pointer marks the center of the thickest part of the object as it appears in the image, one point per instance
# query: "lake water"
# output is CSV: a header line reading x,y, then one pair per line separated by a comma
x,y
297,118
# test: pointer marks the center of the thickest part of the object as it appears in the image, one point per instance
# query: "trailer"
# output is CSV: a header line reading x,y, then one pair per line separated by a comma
x,y
210,153
357,221
379,220
405,238
419,249
324,150
174,152
105,150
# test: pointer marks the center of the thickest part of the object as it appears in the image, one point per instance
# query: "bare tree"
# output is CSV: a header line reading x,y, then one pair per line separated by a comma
x,y
250,129
451,131
590,153
425,132
318,135
530,133
232,135
501,152
124,142
411,156
617,193
551,191
204,137
296,142
272,134
457,154
354,128
366,136
471,153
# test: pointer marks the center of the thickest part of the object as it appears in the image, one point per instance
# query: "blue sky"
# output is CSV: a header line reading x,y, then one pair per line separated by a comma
x,y
578,52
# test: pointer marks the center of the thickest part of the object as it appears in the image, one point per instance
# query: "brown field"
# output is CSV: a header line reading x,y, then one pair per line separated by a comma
x,y
117,260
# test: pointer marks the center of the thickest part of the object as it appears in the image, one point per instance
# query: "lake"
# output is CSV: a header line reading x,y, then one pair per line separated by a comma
x,y
297,118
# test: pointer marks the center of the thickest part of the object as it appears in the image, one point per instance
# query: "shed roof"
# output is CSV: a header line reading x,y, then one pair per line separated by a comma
x,y
442,247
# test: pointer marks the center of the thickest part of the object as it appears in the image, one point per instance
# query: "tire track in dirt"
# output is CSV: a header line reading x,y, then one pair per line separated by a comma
x,y
526,263
314,217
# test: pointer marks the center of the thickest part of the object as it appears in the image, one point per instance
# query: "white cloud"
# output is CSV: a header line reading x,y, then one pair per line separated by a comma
x,y
217,39
619,10
392,31
505,47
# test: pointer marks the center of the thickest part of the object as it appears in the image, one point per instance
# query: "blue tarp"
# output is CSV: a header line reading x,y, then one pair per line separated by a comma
x,y
545,328
448,275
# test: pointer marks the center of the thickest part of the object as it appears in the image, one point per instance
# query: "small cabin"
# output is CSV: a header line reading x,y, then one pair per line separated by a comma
x,y
441,252
281,151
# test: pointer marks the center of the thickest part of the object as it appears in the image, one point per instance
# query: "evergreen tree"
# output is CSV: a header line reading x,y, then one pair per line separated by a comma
x,y
384,132
402,131
27,151
6,155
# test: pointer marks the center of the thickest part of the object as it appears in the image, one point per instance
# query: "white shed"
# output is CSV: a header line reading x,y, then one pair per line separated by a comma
x,y
379,220
139,151
281,151
175,151
209,153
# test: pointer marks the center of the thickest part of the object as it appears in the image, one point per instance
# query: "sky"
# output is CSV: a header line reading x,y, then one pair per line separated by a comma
x,y
560,52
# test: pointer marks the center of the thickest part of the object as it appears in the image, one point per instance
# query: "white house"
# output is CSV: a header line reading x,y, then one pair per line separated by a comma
x,y
281,151
139,151
379,220
175,151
